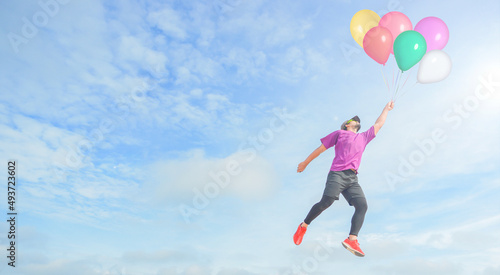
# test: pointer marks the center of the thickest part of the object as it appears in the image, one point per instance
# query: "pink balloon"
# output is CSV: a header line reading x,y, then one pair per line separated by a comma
x,y
435,32
377,44
396,22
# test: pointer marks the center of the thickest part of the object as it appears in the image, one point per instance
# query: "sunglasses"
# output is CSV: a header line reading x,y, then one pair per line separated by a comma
x,y
347,122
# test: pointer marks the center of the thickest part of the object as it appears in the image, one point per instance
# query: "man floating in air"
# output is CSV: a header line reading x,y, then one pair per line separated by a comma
x,y
342,178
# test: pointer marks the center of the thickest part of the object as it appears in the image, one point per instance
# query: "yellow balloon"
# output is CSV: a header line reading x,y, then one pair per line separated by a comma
x,y
361,23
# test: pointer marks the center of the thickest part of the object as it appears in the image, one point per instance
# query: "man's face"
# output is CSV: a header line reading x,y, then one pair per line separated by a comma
x,y
352,125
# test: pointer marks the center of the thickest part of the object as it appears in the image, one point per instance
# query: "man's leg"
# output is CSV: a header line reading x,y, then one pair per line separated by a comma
x,y
355,196
317,209
358,218
333,187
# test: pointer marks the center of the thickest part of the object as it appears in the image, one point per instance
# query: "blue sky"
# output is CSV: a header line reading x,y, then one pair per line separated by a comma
x,y
124,116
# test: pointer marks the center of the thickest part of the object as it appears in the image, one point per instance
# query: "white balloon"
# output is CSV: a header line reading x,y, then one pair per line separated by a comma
x,y
434,66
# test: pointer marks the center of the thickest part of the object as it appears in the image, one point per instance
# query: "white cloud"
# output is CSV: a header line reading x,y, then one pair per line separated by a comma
x,y
155,257
242,174
419,266
264,25
216,102
454,240
131,48
169,21
36,146
246,63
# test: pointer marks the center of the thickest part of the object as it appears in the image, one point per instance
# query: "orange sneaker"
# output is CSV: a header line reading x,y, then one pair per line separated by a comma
x,y
297,237
353,246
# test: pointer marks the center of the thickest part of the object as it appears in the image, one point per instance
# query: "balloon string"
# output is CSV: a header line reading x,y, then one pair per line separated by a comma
x,y
409,74
383,76
397,90
407,78
397,84
405,81
392,75
407,90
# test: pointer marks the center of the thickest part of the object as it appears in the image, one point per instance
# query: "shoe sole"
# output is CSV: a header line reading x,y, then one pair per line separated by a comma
x,y
353,251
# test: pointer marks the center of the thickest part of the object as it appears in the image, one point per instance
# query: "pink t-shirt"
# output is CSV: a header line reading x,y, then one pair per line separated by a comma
x,y
349,148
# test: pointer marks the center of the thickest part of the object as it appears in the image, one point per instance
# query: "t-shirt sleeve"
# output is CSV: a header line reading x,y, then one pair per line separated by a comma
x,y
369,134
331,139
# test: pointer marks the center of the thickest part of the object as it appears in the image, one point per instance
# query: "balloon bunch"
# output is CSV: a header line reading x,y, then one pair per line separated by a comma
x,y
394,34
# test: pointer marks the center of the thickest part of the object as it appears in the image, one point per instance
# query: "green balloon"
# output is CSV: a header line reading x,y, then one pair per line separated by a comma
x,y
409,48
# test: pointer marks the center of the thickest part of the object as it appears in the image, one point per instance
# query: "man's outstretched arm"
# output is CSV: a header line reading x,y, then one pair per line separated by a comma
x,y
381,119
312,156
